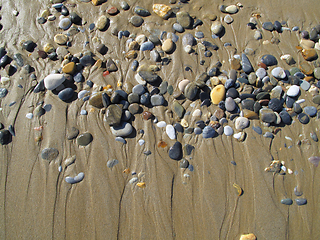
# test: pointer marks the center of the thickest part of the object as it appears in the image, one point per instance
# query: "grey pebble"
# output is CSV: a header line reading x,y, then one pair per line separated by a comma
x,y
49,153
301,201
112,163
175,152
287,201
121,139
3,92
157,100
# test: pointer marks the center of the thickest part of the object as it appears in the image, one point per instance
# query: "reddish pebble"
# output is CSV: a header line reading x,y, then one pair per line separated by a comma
x,y
105,73
262,65
112,10
42,54
162,144
146,115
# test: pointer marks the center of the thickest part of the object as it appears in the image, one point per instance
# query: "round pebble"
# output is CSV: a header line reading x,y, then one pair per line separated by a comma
x,y
303,118
49,154
66,94
287,201
301,201
84,139
65,23
208,132
175,152
293,91
310,110
227,130
241,123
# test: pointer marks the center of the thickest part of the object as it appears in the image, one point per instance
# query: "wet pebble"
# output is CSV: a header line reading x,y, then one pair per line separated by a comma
x,y
303,118
123,130
171,131
227,130
293,91
65,23
121,139
146,46
49,154
208,132
76,179
5,137
269,60
268,26
310,110
241,123
136,21
66,94
301,201
175,152
287,201
184,163
177,27
3,92
278,73
246,64
84,139
157,100
257,130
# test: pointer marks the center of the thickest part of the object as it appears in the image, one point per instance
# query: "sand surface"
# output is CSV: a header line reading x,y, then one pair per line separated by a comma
x,y
37,203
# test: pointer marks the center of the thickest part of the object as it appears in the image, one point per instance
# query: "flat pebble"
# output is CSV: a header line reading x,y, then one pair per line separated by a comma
x,y
269,60
84,139
83,112
66,94
293,91
5,137
278,72
171,131
175,152
146,46
301,201
246,64
303,118
3,92
141,142
76,179
305,85
52,81
157,100
241,123
49,154
65,23
287,201
208,132
161,124
227,130
310,110
257,130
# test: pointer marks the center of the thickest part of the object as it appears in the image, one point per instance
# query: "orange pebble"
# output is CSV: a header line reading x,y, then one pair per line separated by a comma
x,y
141,184
162,144
106,73
127,171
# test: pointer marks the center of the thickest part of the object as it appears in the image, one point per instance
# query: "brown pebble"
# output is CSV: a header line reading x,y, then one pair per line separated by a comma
x,y
235,64
42,54
112,10
306,68
262,65
69,68
146,115
219,113
162,144
309,79
309,54
131,54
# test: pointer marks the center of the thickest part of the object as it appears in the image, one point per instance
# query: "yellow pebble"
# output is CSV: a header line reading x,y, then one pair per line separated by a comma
x,y
141,184
184,123
217,94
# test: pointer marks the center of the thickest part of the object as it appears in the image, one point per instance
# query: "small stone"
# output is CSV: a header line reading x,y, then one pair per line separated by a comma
x,y
246,64
123,130
278,73
168,45
217,27
269,60
3,92
134,108
303,118
241,123
148,76
309,54
157,100
112,10
310,110
293,91
217,94
305,85
267,115
275,104
261,73
96,100
28,45
231,9
84,139
124,5
146,46
268,26
136,21
230,104
184,19
69,68
171,131
102,22
175,152
227,130
141,11
65,23
61,39
112,163
228,19
307,43
184,163
316,99
74,17
163,87
52,81
306,68
249,236
208,132
114,114
49,154
111,66
188,40
178,109
5,137
72,133
102,49
191,91
162,10
301,201
316,73
66,94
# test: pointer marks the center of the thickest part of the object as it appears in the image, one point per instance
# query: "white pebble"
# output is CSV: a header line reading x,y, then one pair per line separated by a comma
x,y
82,94
288,138
293,91
237,135
75,179
133,180
300,101
70,160
83,112
290,171
161,124
284,168
141,142
171,131
227,130
60,168
197,113
29,115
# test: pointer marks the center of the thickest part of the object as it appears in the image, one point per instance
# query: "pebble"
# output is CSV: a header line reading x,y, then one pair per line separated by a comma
x,y
217,94
136,21
267,115
246,64
49,154
275,104
121,139
177,27
175,152
269,60
191,91
66,94
228,19
161,124
18,58
149,77
268,135
285,117
208,132
65,23
231,9
301,201
287,201
178,109
303,118
3,92
83,112
227,130
314,136
217,27
168,45
112,163
184,19
61,39
171,131
28,45
293,91
84,139
268,26
124,5
305,85
278,73
76,179
102,22
241,123
5,137
123,130
310,110
52,81
315,99
157,100
146,46
113,115
141,142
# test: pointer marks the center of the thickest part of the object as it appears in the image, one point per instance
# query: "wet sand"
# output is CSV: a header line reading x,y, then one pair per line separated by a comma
x,y
37,202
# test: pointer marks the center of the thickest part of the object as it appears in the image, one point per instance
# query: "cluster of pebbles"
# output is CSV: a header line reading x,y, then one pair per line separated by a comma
x,y
269,94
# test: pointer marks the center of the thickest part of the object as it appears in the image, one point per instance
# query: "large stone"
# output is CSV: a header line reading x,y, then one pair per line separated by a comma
x,y
217,27
52,81
184,19
123,130
96,100
191,91
102,22
217,94
84,139
148,76
114,114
